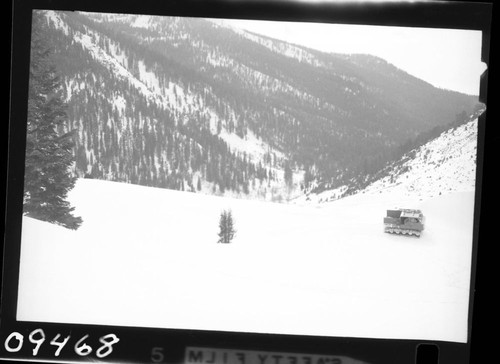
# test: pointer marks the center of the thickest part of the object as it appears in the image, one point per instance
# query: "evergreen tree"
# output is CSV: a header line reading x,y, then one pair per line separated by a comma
x,y
49,155
308,177
226,227
288,175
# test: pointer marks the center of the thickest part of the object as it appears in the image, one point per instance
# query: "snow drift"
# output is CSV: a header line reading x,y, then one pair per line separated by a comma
x,y
149,257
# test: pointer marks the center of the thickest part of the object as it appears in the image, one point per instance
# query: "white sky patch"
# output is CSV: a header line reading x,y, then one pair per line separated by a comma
x,y
446,58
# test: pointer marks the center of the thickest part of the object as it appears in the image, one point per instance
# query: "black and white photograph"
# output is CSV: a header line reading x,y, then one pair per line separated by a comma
x,y
273,177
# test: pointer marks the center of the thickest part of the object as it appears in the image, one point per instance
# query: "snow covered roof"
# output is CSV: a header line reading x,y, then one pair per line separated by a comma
x,y
411,213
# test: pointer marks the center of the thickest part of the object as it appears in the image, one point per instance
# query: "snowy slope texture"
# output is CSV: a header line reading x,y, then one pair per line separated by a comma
x,y
188,104
152,260
444,165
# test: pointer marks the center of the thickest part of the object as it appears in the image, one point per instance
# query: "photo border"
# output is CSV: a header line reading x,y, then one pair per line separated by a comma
x,y
139,341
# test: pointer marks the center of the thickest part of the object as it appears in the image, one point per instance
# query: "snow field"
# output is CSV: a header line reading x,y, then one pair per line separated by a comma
x,y
149,257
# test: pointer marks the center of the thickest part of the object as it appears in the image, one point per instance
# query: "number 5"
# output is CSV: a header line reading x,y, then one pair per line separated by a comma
x,y
157,355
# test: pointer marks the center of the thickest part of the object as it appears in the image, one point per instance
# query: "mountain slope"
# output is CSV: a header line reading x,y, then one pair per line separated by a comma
x,y
446,164
188,104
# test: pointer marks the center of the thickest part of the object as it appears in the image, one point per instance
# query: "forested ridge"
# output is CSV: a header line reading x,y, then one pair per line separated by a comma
x,y
190,105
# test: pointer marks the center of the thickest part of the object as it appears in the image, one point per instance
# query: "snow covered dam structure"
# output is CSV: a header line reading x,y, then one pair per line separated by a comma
x,y
404,221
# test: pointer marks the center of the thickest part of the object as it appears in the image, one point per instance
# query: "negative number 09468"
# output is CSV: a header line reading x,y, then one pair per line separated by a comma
x,y
37,337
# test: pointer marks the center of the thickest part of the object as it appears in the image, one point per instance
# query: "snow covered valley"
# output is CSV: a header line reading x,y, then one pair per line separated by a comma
x,y
149,257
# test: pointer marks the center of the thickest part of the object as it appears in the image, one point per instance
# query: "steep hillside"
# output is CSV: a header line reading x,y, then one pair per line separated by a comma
x,y
444,165
189,104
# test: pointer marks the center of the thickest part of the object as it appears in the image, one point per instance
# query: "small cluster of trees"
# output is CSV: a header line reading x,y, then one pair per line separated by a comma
x,y
226,227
